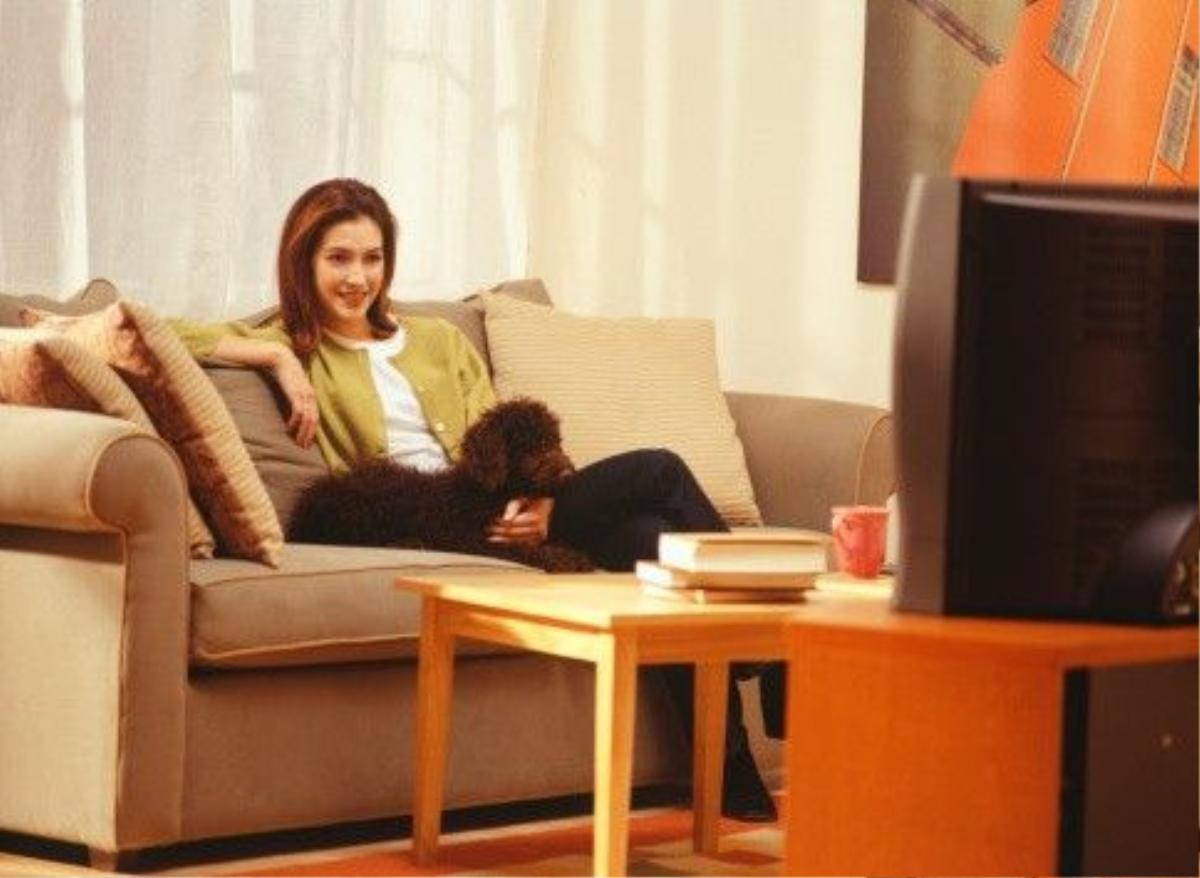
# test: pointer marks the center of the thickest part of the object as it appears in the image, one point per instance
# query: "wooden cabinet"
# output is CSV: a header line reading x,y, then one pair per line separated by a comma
x,y
952,746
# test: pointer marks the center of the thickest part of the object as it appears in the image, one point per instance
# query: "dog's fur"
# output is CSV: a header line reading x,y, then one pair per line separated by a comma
x,y
513,450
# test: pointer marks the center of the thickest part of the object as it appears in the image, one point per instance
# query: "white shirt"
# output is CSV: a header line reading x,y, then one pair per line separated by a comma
x,y
409,439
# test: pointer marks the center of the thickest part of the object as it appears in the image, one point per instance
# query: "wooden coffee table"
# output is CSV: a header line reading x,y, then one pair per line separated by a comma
x,y
604,619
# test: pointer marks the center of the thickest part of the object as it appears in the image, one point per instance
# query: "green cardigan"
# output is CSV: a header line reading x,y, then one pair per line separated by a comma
x,y
445,371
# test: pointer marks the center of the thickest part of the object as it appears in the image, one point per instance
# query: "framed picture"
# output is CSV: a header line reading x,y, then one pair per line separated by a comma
x,y
1084,90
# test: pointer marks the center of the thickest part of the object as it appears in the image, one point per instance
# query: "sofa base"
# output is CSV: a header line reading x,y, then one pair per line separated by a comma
x,y
283,748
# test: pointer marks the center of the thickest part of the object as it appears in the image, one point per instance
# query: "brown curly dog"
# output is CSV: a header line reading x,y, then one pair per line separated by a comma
x,y
514,450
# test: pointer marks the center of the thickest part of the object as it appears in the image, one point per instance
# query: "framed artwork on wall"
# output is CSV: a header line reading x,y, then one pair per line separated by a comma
x,y
1077,90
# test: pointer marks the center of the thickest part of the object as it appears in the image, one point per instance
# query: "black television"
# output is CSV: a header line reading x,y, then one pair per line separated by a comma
x,y
1045,399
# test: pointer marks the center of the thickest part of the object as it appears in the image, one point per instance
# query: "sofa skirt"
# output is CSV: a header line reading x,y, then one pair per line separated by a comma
x,y
271,749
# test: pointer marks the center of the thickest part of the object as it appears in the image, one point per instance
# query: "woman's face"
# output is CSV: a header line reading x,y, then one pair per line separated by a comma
x,y
348,275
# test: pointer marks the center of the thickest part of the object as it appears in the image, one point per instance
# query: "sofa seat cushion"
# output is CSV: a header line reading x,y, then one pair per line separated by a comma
x,y
322,605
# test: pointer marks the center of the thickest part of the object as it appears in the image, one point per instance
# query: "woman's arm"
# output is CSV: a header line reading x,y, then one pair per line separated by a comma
x,y
289,375
263,348
472,375
258,353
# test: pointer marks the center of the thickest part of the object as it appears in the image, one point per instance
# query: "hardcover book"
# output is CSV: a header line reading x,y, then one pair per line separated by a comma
x,y
653,573
725,595
758,551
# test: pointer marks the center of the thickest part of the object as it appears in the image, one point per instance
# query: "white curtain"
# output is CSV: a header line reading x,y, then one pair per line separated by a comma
x,y
159,143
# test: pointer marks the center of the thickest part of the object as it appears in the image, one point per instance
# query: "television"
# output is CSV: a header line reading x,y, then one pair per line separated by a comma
x,y
1045,400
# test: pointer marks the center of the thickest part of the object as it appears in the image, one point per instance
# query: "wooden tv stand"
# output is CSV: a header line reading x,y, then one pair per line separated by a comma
x,y
929,745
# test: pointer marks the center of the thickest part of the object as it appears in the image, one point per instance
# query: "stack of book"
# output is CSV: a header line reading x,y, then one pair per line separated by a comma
x,y
768,565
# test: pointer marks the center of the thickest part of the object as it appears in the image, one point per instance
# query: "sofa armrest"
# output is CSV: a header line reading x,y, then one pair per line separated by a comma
x,y
93,629
807,455
51,457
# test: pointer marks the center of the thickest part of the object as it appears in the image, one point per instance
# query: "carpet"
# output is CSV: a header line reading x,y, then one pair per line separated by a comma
x,y
660,844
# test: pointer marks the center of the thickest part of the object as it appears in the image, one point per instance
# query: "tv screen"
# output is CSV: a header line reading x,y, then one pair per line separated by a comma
x,y
1045,392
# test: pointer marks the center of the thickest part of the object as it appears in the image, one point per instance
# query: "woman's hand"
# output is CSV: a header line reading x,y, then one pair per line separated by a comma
x,y
289,375
302,422
526,521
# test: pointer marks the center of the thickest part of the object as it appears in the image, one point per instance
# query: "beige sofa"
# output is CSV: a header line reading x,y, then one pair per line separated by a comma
x,y
151,699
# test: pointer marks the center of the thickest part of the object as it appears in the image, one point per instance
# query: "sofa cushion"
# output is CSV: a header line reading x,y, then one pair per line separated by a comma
x,y
190,415
257,408
530,289
94,296
624,383
466,313
39,367
321,605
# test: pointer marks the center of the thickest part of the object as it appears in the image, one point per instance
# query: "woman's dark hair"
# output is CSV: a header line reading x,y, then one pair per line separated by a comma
x,y
324,205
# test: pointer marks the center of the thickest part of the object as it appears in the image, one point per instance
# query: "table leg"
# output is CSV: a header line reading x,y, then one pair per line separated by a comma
x,y
708,753
435,679
616,702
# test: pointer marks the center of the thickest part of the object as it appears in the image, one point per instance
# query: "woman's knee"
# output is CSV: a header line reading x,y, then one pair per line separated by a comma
x,y
663,463
667,458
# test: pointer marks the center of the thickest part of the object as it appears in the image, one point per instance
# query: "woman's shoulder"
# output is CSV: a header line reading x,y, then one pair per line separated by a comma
x,y
429,327
201,337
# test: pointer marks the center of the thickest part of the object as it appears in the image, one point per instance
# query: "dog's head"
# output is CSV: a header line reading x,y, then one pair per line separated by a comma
x,y
516,446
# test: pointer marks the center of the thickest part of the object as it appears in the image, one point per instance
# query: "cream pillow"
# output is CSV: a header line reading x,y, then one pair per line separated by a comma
x,y
40,368
624,383
189,414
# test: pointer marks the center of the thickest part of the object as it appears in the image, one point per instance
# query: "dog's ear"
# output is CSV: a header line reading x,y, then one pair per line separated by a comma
x,y
485,452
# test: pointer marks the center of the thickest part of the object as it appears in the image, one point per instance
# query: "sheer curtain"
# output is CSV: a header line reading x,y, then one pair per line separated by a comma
x,y
160,143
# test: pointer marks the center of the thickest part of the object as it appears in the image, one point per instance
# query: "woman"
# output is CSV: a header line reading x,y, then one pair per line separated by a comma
x,y
361,382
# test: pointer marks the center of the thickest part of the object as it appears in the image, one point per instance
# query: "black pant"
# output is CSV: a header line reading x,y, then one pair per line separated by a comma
x,y
614,510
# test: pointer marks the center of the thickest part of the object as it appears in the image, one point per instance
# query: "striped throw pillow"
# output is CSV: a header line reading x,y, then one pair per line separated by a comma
x,y
41,368
189,414
623,383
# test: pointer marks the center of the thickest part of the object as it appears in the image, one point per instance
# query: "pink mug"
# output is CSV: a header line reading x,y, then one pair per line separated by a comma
x,y
859,539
